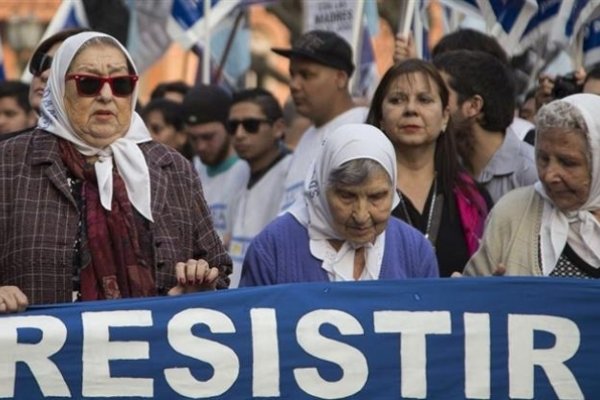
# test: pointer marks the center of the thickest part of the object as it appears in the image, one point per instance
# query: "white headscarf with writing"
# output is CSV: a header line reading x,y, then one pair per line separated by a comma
x,y
124,153
346,143
580,229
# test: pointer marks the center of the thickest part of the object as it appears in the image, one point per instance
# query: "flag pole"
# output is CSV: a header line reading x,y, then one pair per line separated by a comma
x,y
407,12
206,50
219,72
357,35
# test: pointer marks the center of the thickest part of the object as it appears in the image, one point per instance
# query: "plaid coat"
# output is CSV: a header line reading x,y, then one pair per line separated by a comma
x,y
39,218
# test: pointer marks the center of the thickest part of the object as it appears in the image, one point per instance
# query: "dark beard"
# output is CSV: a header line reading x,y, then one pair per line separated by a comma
x,y
465,142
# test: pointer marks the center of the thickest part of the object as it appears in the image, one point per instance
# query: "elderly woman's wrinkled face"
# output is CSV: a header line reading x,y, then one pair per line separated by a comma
x,y
563,167
412,111
361,212
103,118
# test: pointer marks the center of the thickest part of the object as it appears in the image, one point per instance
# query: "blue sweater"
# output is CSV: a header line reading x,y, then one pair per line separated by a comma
x,y
281,254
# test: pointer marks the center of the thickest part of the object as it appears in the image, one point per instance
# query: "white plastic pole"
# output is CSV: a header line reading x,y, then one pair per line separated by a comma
x,y
407,12
357,35
206,51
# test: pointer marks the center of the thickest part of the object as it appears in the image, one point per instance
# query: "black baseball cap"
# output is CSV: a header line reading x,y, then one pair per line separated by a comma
x,y
206,103
324,47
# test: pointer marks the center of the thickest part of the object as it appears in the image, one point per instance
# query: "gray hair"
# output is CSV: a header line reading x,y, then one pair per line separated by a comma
x,y
562,114
356,172
102,41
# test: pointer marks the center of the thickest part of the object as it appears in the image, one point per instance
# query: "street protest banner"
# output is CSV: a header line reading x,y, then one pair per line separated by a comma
x,y
470,338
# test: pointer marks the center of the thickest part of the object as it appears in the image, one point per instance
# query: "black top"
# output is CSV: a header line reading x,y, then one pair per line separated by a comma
x,y
571,265
450,245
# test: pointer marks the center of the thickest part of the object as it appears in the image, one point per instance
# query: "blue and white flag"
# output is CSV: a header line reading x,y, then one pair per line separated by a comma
x,y
591,43
507,20
147,38
187,26
545,31
70,14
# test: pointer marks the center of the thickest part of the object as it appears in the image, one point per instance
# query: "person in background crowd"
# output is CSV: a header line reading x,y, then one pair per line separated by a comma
x,y
527,108
320,68
39,68
164,119
591,83
482,106
295,124
90,207
41,61
551,228
437,196
467,39
256,125
343,229
222,173
16,113
174,91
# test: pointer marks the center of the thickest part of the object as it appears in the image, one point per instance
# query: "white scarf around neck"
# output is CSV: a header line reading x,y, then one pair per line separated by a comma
x,y
347,142
580,229
124,153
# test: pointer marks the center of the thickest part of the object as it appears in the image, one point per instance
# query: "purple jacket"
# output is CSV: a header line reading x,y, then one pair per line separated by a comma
x,y
281,254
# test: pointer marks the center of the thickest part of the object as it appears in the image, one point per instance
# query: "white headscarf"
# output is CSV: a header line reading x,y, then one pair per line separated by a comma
x,y
124,152
346,143
578,228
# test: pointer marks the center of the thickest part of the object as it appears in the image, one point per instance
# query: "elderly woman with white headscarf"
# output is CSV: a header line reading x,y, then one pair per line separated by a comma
x,y
90,207
343,230
553,227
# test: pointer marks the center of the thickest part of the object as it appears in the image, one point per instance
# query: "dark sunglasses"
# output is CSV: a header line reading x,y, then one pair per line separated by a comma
x,y
251,125
39,63
91,85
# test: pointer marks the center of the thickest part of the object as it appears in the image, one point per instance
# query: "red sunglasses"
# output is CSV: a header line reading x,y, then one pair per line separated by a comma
x,y
91,85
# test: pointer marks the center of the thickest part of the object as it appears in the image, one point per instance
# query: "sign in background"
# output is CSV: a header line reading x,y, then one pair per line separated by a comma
x,y
472,338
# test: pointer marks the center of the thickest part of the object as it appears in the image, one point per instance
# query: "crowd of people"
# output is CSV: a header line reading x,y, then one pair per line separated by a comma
x,y
443,174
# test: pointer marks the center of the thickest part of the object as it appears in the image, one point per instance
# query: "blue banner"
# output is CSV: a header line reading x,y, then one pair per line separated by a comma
x,y
473,338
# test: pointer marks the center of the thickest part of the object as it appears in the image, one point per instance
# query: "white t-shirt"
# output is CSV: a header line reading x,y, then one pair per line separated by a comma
x,y
221,189
307,150
253,210
520,127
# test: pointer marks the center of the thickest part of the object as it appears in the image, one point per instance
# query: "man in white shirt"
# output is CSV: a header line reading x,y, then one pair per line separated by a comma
x,y
222,173
256,126
320,69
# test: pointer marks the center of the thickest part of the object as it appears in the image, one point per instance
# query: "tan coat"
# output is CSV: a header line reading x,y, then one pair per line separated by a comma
x,y
511,236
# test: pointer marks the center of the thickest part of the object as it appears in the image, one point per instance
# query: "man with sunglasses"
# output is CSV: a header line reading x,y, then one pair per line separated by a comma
x,y
222,173
320,69
39,68
256,125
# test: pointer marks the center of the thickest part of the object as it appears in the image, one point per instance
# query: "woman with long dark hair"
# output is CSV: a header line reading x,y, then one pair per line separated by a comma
x,y
437,196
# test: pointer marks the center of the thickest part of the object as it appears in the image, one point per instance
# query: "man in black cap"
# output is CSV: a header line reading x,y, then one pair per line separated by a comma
x,y
222,173
320,69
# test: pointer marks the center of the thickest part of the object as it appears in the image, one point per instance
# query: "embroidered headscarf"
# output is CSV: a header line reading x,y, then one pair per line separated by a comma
x,y
346,143
123,153
580,229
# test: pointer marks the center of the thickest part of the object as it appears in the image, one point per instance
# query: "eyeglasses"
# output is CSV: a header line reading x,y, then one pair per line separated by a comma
x,y
91,85
40,62
251,125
